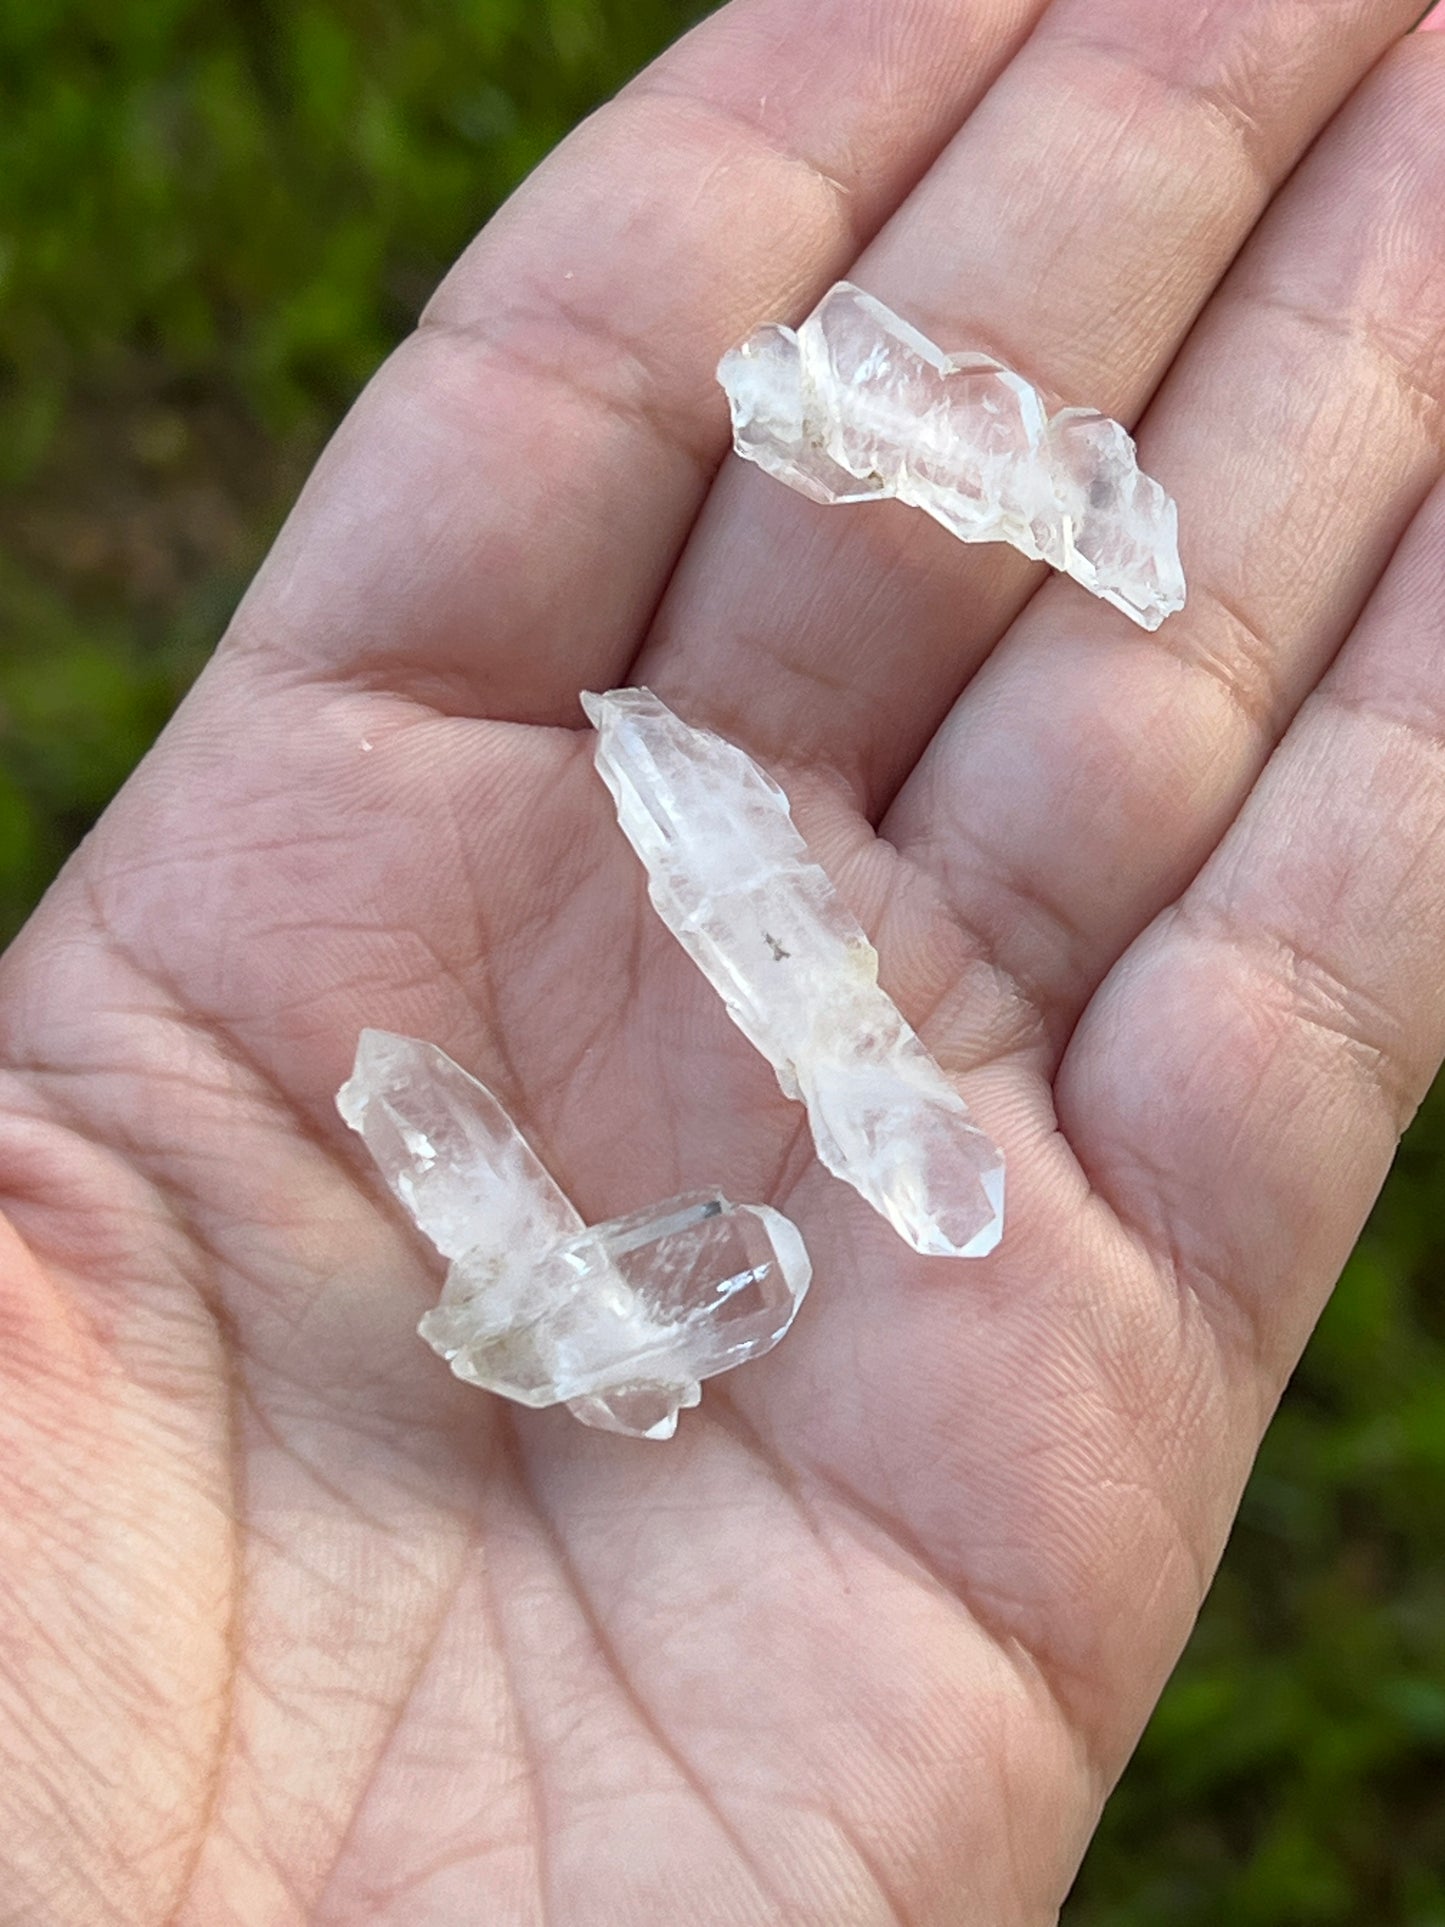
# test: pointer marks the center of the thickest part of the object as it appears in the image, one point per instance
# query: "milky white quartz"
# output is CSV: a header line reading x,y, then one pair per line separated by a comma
x,y
732,879
621,1321
856,405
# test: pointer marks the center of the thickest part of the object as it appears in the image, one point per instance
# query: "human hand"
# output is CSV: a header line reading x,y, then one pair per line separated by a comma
x,y
295,1628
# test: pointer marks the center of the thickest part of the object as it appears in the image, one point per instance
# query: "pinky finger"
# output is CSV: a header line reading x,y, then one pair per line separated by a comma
x,y
1238,1086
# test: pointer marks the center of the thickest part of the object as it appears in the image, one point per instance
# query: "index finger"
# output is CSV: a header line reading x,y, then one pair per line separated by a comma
x,y
496,520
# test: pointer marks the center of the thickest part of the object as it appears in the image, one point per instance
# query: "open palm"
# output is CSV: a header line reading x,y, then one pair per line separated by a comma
x,y
296,1628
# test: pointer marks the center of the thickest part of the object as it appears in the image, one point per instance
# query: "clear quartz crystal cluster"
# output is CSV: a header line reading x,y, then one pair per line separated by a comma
x,y
856,404
620,1321
731,877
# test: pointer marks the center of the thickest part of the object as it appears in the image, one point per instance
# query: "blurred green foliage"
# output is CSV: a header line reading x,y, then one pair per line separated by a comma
x,y
214,220
1294,1774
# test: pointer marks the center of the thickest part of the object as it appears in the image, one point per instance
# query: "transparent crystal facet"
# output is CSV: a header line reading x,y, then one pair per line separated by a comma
x,y
449,1151
732,879
641,1411
857,404
620,1321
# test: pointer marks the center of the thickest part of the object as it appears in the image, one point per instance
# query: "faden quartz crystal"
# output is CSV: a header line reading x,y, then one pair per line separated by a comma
x,y
620,1321
732,879
856,405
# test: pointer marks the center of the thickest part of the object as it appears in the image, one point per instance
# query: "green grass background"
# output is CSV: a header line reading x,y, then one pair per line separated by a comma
x,y
215,218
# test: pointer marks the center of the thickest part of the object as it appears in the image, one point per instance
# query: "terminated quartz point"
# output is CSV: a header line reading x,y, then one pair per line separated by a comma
x,y
621,1321
856,404
732,879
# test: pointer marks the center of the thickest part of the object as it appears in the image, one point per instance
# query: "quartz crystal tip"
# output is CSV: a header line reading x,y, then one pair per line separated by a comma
x,y
857,404
902,1135
448,1150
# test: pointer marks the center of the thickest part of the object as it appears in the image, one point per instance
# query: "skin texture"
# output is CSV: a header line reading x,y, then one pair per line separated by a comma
x,y
295,1628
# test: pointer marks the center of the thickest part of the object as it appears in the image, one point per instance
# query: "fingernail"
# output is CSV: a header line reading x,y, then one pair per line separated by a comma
x,y
1434,21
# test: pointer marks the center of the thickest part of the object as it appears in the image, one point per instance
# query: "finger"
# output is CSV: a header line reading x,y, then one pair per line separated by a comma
x,y
1238,1086
1089,769
1074,228
496,520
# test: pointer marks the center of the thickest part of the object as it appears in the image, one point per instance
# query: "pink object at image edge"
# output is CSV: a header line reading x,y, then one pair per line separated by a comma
x,y
1434,21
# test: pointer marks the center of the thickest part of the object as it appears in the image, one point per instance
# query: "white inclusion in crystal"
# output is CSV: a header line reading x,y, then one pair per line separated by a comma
x,y
732,879
856,405
621,1321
